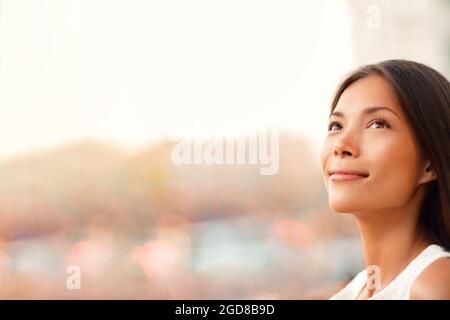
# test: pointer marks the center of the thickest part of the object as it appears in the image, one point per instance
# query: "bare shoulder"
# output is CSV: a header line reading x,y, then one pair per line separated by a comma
x,y
433,282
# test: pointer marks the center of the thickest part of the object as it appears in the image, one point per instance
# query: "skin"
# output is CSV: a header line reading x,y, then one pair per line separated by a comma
x,y
386,203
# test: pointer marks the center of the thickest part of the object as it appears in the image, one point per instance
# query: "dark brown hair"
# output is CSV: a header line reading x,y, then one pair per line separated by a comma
x,y
424,95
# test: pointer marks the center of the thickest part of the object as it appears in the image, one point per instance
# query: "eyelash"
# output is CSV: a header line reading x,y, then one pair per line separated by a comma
x,y
380,120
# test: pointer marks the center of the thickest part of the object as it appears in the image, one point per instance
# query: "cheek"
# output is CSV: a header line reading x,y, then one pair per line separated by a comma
x,y
394,164
393,167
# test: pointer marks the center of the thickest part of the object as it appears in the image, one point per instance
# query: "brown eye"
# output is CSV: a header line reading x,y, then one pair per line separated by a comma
x,y
332,125
380,123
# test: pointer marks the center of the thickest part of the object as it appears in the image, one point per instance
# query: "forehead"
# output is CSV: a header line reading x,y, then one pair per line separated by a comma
x,y
370,91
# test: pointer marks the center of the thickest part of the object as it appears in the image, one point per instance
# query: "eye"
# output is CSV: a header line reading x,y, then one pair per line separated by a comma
x,y
380,121
332,125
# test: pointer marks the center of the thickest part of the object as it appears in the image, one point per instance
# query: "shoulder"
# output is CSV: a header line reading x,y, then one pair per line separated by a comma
x,y
433,282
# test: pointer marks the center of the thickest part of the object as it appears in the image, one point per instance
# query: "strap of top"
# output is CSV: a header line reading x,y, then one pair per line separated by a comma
x,y
427,257
400,287
424,260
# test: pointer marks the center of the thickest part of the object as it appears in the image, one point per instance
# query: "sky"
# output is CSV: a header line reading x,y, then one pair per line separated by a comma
x,y
130,72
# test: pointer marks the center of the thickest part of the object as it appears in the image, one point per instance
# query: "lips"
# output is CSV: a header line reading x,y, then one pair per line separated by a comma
x,y
348,172
347,175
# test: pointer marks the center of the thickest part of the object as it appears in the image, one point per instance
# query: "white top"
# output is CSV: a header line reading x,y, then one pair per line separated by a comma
x,y
399,288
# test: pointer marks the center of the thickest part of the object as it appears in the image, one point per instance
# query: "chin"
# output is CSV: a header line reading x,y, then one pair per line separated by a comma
x,y
342,206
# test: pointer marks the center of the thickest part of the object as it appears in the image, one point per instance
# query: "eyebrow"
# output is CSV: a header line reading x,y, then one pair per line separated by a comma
x,y
365,111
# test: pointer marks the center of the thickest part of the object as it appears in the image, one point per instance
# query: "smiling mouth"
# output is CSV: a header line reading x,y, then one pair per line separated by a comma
x,y
347,176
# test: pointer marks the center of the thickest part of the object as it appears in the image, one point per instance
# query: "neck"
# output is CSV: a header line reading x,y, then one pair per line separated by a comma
x,y
390,239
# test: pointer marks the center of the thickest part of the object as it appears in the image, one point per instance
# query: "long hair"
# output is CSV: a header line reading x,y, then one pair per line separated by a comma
x,y
424,95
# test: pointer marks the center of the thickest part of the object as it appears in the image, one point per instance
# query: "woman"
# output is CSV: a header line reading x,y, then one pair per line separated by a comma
x,y
386,160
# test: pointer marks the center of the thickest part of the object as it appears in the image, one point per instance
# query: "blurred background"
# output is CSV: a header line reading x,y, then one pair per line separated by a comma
x,y
92,94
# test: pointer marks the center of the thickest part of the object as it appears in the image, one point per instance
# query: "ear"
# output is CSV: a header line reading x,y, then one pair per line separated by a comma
x,y
428,173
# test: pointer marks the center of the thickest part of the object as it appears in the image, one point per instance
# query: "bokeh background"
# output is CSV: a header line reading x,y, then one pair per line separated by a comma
x,y
92,93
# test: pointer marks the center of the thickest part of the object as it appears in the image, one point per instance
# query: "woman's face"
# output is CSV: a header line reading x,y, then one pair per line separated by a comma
x,y
368,133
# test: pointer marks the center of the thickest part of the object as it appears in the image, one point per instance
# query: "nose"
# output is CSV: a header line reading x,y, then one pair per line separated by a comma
x,y
345,146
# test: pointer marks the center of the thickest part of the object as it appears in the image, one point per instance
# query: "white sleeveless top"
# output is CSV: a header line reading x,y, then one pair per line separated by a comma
x,y
399,288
